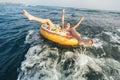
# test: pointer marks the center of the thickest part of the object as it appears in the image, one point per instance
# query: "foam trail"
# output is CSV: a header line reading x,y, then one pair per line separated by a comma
x,y
113,37
33,37
38,66
98,43
118,30
44,62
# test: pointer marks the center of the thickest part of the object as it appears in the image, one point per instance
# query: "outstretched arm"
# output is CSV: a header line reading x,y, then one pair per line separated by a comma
x,y
81,19
62,18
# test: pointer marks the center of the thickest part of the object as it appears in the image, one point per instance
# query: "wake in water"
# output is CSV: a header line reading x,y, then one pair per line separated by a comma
x,y
47,62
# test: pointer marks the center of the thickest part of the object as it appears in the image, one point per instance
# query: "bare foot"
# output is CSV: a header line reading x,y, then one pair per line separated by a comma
x,y
26,14
86,42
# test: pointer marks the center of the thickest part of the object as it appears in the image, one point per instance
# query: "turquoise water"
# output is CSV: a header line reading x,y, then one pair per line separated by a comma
x,y
25,55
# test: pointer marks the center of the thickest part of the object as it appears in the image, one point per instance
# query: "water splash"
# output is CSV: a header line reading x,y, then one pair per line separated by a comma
x,y
33,37
45,62
114,38
98,43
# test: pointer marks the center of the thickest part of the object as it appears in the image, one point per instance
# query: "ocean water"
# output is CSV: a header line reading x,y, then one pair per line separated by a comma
x,y
26,55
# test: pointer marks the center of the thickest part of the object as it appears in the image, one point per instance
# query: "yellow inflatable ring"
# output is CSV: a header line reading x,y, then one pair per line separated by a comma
x,y
57,37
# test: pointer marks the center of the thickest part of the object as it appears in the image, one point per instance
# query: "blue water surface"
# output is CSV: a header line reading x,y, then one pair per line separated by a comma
x,y
102,26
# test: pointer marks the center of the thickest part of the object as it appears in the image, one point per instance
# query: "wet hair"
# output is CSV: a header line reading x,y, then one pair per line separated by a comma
x,y
68,22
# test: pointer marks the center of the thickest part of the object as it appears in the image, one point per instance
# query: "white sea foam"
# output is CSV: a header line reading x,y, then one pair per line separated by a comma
x,y
41,63
33,37
83,59
113,37
47,63
98,43
118,30
38,66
